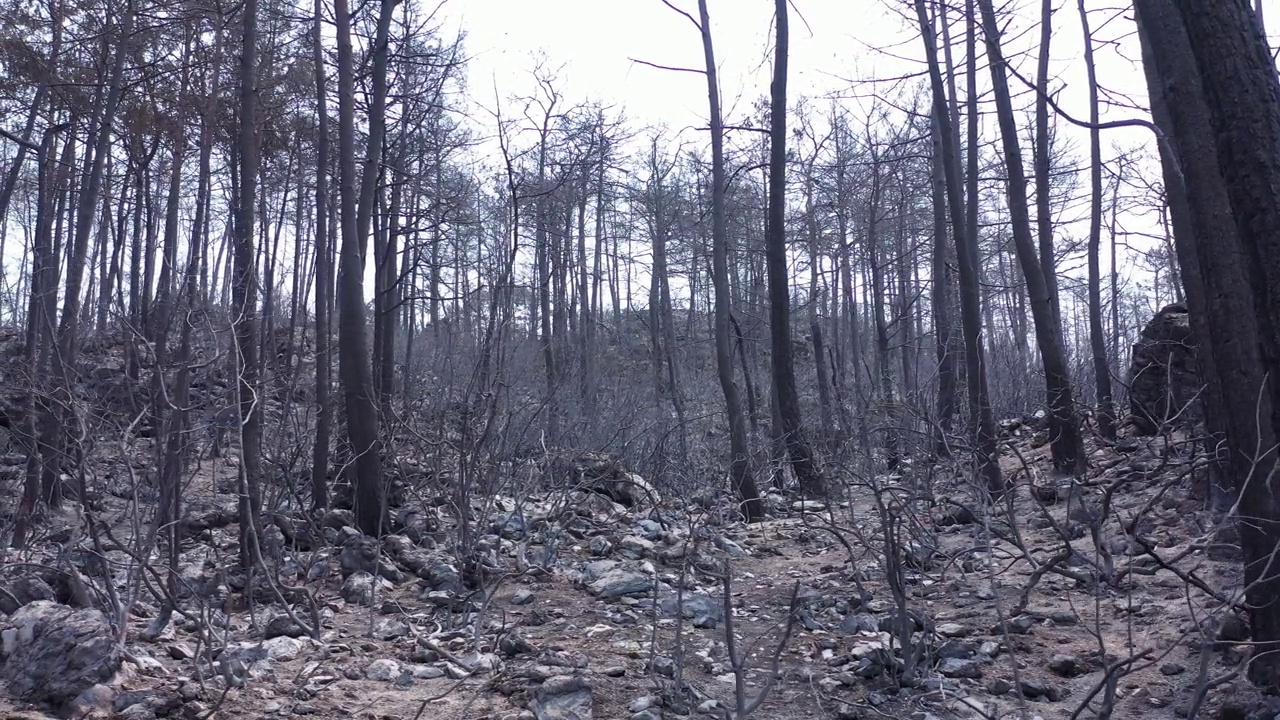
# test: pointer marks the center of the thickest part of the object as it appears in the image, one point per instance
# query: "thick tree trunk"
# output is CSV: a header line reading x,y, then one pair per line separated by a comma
x,y
1241,95
354,366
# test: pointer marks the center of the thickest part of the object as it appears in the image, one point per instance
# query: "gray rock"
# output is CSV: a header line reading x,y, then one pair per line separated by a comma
x,y
1020,625
1067,665
51,653
999,686
1033,688
1172,669
600,546
692,605
956,649
617,582
521,596
644,702
953,630
563,697
855,623
282,648
384,670
960,668
96,701
386,628
358,589
282,626
635,548
30,588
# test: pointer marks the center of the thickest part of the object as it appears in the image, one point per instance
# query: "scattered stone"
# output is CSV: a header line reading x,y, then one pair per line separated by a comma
x,y
522,596
51,653
953,630
614,671
563,697
1172,669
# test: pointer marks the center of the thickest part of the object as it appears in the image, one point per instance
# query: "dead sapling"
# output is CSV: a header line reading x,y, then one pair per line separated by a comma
x,y
744,705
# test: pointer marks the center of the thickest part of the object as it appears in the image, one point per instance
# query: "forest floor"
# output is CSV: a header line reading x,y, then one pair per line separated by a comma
x,y
1112,600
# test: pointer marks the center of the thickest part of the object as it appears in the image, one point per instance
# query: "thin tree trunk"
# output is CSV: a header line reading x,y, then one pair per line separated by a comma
x,y
244,296
324,278
963,228
744,484
1064,429
798,450
1097,336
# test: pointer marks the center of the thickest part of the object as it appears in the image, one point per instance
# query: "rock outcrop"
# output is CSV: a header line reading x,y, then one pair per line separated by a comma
x,y
50,653
1164,384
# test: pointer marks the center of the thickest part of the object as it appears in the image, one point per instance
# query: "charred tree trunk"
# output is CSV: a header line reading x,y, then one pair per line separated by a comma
x,y
964,229
1239,93
799,453
744,485
1064,428
355,370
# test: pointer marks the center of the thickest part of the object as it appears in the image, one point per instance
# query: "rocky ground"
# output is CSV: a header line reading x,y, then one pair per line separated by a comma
x,y
904,601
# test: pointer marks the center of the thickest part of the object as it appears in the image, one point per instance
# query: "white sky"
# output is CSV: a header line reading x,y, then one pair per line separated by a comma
x,y
832,43
595,40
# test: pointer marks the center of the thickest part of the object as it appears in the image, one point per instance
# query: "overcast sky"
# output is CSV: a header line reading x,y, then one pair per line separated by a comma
x,y
837,46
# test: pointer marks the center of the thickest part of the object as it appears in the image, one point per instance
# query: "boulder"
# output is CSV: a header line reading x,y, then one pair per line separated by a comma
x,y
1163,375
50,653
563,697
